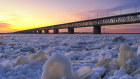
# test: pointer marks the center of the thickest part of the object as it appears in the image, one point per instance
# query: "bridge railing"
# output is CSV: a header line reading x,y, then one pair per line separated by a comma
x,y
111,20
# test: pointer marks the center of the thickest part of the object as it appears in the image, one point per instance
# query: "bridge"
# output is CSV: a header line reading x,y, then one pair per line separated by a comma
x,y
97,23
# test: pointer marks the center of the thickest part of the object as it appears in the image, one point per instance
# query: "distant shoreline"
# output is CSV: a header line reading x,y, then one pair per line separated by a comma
x,y
81,33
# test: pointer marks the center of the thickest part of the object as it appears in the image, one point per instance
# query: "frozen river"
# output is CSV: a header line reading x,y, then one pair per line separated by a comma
x,y
17,53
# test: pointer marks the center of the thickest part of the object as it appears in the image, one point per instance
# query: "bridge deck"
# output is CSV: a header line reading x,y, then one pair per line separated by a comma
x,y
111,20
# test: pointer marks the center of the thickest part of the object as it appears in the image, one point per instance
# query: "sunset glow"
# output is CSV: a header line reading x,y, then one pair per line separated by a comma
x,y
18,15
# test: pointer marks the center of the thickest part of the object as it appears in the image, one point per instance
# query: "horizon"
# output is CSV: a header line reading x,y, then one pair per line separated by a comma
x,y
18,15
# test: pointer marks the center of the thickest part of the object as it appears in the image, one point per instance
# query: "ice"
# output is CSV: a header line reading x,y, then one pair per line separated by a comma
x,y
137,76
118,73
28,48
138,51
119,39
84,72
104,62
126,77
40,55
125,54
22,56
136,72
57,66
1,42
21,59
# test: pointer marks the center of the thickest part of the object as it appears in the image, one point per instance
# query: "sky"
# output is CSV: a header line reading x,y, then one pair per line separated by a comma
x,y
16,15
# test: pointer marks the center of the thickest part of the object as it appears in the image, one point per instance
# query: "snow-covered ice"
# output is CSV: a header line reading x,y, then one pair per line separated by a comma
x,y
59,65
106,56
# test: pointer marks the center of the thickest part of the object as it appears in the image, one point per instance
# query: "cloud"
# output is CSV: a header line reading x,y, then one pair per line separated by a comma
x,y
123,7
5,27
130,6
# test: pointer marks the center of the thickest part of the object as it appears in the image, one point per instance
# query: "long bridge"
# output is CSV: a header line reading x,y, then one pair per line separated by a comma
x,y
97,23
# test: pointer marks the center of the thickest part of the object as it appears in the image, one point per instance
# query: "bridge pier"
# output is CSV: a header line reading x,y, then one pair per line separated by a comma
x,y
97,30
27,32
39,31
22,32
31,32
71,30
46,31
35,31
56,31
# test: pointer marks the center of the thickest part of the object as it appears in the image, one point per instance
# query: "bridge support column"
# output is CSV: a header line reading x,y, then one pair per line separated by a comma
x,y
46,31
97,30
22,32
39,31
35,31
56,31
30,32
71,30
27,32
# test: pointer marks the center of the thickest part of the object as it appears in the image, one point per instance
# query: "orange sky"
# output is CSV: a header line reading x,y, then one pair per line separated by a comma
x,y
18,15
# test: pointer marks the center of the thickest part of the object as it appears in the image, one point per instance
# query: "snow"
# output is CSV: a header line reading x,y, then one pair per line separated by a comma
x,y
21,59
39,55
138,51
59,65
23,56
125,54
84,72
137,76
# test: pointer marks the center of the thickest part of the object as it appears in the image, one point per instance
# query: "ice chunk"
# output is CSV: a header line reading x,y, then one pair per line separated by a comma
x,y
116,47
137,76
57,67
113,77
74,75
100,70
2,70
1,55
27,49
63,77
104,62
119,38
118,73
126,77
1,42
21,59
138,51
84,72
102,54
116,62
136,72
40,55
95,76
97,73
77,56
125,54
